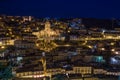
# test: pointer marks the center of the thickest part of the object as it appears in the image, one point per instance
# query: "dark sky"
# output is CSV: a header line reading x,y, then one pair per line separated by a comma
x,y
62,8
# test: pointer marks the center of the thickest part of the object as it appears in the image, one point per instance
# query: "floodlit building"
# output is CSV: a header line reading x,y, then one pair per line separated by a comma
x,y
48,33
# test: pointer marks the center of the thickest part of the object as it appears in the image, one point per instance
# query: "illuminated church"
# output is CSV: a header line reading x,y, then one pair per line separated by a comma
x,y
47,32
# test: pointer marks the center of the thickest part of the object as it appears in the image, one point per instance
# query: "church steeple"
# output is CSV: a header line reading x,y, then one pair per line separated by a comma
x,y
47,25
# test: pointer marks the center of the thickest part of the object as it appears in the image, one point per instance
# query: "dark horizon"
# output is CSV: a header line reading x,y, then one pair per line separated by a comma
x,y
61,8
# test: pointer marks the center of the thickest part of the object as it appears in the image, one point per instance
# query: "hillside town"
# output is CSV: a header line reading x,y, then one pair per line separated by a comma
x,y
59,48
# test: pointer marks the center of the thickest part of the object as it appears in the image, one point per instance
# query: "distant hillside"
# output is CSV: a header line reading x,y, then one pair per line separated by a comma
x,y
101,23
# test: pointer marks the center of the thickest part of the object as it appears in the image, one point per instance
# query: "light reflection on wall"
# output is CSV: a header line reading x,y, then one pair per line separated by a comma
x,y
115,60
98,59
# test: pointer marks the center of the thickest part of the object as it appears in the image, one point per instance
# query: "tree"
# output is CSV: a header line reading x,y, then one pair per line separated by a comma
x,y
60,77
5,72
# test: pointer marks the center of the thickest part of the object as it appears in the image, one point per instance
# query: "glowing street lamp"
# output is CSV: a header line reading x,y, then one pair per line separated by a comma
x,y
0,43
116,52
2,47
111,43
102,49
112,50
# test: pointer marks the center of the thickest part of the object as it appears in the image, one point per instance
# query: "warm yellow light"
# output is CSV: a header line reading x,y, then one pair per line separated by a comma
x,y
102,49
37,28
37,44
90,46
85,42
111,43
112,49
103,35
13,35
25,30
68,31
116,52
7,34
67,45
10,32
10,29
0,43
2,47
110,37
12,19
118,36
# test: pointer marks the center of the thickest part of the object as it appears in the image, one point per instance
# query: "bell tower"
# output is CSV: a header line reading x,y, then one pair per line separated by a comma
x,y
47,26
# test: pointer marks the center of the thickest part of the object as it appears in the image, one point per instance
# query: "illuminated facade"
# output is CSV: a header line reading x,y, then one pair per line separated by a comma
x,y
47,33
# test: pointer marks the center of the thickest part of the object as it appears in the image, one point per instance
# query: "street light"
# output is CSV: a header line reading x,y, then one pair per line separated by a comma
x,y
102,49
2,47
116,52
112,43
0,43
112,50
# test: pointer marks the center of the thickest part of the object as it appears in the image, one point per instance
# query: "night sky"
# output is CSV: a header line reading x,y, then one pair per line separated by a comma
x,y
62,8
